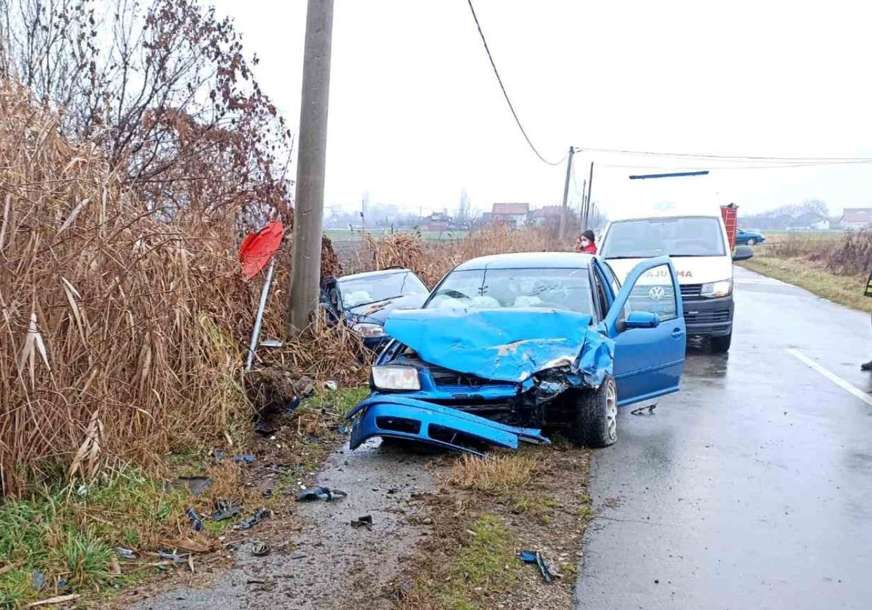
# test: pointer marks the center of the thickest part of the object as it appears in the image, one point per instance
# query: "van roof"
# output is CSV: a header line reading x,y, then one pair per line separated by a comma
x,y
667,216
705,212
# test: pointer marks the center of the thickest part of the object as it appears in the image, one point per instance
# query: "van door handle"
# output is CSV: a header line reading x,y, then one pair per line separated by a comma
x,y
677,333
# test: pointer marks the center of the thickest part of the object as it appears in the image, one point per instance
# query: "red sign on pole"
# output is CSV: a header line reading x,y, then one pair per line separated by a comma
x,y
729,213
258,248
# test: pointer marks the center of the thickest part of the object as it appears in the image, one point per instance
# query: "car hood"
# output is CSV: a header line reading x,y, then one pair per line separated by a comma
x,y
376,313
505,344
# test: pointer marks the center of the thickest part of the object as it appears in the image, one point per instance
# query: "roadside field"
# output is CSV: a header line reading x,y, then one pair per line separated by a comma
x,y
354,235
833,265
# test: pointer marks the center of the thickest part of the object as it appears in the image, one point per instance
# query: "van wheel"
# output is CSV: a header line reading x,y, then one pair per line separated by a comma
x,y
595,423
752,242
721,345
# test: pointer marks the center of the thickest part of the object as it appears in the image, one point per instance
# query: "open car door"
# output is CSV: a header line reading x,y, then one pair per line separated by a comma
x,y
646,321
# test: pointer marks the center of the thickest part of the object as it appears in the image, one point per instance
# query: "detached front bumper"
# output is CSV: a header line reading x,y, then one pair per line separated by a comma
x,y
395,416
709,317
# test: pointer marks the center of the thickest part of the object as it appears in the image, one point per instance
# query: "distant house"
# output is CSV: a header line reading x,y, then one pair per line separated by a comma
x,y
512,214
856,218
810,221
437,221
546,216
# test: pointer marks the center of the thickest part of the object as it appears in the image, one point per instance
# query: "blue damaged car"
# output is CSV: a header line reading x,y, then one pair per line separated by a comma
x,y
510,345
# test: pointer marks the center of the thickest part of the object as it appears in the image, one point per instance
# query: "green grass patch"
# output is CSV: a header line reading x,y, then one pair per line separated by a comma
x,y
338,402
68,535
846,290
537,507
486,565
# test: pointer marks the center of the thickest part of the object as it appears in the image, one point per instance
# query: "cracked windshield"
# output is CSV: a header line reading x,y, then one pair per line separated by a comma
x,y
514,288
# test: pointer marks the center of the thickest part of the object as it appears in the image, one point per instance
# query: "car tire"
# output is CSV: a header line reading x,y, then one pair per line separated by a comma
x,y
721,345
596,416
752,242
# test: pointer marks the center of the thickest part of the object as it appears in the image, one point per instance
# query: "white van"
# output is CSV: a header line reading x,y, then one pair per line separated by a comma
x,y
700,252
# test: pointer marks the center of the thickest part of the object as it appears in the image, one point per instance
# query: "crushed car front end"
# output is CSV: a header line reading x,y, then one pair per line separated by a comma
x,y
485,378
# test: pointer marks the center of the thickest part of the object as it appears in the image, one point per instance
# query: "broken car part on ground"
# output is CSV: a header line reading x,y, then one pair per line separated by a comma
x,y
507,345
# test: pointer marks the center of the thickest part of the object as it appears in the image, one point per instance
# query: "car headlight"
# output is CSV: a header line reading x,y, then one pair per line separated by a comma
x,y
713,290
395,378
368,330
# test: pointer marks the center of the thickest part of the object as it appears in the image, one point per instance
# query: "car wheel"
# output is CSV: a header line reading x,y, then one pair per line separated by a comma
x,y
596,416
721,345
752,242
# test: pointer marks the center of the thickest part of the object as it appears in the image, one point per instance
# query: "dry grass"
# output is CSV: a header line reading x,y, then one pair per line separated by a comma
x,y
432,260
839,253
123,332
833,266
493,473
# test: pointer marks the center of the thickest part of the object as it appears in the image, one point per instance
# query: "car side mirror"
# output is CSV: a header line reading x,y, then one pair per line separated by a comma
x,y
742,253
642,319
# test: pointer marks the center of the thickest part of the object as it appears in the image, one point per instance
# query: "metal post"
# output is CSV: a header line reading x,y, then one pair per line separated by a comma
x,y
309,201
562,230
258,320
587,203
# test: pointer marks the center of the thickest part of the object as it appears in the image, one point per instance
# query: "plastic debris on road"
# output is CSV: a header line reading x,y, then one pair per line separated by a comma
x,y
535,557
320,493
257,517
194,518
364,521
224,510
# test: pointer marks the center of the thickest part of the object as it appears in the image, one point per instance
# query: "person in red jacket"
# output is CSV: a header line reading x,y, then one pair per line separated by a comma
x,y
586,243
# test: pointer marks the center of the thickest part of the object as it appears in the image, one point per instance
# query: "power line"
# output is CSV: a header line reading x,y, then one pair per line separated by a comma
x,y
740,167
820,159
505,93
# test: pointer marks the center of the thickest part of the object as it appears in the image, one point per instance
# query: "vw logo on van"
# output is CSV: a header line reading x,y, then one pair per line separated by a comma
x,y
656,293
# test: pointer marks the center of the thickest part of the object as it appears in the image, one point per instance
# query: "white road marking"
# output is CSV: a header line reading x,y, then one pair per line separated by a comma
x,y
845,385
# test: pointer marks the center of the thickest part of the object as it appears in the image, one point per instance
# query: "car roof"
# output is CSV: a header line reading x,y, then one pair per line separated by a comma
x,y
528,260
373,274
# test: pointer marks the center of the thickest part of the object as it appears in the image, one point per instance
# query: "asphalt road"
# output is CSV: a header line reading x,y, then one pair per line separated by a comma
x,y
752,487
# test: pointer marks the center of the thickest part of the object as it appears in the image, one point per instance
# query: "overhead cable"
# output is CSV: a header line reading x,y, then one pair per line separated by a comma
x,y
506,94
722,157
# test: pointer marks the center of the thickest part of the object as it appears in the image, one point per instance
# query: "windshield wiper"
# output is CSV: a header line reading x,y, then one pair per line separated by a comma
x,y
356,305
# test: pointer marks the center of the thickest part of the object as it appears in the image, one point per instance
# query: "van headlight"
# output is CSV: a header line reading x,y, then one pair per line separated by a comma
x,y
368,330
714,290
395,378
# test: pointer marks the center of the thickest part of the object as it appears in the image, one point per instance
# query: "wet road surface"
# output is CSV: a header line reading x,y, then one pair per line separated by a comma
x,y
752,487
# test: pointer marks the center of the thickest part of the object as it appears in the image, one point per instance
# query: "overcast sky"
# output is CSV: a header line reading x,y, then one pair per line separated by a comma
x,y
416,114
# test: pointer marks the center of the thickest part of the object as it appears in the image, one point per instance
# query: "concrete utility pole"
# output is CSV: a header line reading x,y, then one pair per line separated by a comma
x,y
309,202
562,230
587,199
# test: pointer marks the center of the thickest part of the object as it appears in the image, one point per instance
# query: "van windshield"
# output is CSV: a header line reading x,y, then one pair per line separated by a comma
x,y
643,238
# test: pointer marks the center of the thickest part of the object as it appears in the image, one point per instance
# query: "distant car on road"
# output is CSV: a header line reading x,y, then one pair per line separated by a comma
x,y
746,237
364,300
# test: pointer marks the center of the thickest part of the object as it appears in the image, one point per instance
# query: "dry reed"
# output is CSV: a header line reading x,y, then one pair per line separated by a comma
x,y
122,335
493,474
433,259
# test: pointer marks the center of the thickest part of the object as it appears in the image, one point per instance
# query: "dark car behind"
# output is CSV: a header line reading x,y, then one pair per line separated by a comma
x,y
364,300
